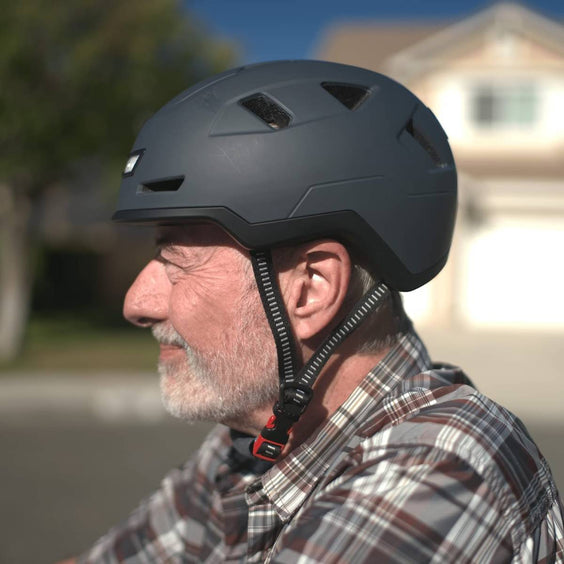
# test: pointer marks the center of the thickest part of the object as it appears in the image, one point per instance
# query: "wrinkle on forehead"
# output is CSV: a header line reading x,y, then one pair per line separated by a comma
x,y
196,237
196,234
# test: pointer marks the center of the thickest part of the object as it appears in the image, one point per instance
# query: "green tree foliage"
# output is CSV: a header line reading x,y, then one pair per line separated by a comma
x,y
77,80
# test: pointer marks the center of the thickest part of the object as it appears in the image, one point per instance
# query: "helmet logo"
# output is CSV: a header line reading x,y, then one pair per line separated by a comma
x,y
132,162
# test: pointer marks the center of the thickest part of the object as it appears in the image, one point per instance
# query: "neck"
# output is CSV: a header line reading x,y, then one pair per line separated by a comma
x,y
339,378
341,375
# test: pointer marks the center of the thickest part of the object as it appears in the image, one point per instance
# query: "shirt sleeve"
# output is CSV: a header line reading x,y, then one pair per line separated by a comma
x,y
172,522
423,505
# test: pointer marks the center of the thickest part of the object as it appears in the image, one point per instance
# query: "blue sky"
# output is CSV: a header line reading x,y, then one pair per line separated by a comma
x,y
286,29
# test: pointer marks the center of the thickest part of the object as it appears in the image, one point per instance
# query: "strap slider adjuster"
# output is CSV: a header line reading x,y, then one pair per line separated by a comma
x,y
294,398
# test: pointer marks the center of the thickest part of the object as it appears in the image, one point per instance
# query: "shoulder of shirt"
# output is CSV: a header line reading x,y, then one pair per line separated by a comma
x,y
206,461
461,425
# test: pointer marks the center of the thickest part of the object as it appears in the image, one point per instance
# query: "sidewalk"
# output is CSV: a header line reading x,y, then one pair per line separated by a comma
x,y
521,371
109,397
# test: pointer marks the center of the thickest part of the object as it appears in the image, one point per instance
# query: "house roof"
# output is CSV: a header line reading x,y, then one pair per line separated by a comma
x,y
389,46
371,44
500,19
408,50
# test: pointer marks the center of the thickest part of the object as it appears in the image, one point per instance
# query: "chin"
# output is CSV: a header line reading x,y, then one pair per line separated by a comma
x,y
185,397
193,396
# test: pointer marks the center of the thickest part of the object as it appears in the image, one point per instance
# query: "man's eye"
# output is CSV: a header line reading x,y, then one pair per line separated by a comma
x,y
173,270
159,256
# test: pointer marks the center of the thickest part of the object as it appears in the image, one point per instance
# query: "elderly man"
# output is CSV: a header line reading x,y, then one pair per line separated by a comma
x,y
292,201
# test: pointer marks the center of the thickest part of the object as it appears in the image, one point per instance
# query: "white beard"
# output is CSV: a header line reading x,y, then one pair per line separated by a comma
x,y
227,384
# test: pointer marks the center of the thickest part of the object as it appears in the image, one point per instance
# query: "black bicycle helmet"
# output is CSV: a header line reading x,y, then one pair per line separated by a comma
x,y
288,151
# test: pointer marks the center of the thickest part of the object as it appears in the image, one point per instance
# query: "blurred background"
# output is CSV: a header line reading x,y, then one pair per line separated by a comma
x,y
82,432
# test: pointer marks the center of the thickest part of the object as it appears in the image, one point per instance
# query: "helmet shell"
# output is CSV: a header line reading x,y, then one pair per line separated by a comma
x,y
289,151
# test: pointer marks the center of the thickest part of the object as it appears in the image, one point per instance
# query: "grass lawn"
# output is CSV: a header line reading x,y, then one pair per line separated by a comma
x,y
69,345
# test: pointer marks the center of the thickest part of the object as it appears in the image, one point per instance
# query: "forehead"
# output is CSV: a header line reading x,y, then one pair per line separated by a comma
x,y
193,235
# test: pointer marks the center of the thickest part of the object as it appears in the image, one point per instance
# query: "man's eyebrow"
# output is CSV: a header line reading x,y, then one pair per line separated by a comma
x,y
172,243
165,242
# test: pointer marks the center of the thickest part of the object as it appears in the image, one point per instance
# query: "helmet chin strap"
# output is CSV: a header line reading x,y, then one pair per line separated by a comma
x,y
296,388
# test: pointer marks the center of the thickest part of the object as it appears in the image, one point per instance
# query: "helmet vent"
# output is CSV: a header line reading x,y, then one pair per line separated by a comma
x,y
267,110
163,185
425,143
350,95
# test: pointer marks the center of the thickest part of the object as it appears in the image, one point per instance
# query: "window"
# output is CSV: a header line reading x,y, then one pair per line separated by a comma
x,y
504,105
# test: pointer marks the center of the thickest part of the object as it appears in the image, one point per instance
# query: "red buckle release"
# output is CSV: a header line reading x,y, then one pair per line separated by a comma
x,y
270,424
266,449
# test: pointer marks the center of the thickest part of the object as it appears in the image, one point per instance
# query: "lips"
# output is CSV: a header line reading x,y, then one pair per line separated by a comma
x,y
167,351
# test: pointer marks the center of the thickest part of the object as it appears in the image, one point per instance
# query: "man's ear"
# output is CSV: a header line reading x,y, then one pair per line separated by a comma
x,y
316,286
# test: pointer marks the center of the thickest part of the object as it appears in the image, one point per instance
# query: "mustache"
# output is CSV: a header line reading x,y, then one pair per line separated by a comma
x,y
167,335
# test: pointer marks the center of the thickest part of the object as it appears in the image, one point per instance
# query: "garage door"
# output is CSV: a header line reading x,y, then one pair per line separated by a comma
x,y
513,274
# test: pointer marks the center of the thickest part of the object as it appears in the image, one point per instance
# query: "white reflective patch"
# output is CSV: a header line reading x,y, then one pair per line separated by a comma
x,y
131,162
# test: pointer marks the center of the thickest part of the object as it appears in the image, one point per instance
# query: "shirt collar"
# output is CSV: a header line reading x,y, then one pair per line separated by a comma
x,y
287,484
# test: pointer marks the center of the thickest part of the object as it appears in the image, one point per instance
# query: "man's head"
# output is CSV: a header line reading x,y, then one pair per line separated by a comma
x,y
311,163
217,357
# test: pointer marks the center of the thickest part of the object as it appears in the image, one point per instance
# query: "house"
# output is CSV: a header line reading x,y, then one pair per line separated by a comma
x,y
495,80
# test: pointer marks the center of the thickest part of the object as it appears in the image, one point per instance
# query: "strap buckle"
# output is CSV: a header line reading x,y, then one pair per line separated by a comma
x,y
275,434
267,450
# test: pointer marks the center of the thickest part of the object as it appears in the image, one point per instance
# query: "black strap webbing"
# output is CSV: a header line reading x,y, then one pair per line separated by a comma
x,y
296,390
366,305
275,313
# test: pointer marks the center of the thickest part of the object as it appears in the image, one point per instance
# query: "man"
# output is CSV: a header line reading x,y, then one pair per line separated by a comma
x,y
293,200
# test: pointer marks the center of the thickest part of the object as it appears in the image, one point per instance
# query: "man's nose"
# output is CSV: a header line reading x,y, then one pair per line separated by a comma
x,y
146,301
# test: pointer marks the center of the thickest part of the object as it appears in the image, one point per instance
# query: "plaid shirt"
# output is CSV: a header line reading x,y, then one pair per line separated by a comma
x,y
415,466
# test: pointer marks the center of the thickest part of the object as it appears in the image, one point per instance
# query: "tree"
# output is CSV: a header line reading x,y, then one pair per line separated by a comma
x,y
78,79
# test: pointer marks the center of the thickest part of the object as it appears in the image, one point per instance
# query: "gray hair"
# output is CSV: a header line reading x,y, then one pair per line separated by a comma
x,y
384,326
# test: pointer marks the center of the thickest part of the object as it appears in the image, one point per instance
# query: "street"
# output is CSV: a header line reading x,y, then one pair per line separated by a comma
x,y
80,451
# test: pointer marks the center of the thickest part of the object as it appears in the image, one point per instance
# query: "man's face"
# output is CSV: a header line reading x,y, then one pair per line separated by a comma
x,y
217,357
